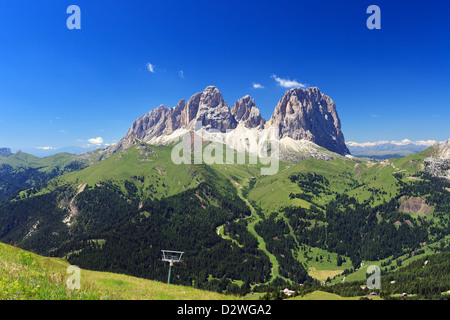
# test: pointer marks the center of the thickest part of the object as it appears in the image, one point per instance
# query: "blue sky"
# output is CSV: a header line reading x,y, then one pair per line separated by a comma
x,y
61,87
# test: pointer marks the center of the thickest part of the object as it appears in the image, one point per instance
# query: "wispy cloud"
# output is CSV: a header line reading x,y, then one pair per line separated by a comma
x,y
257,86
287,83
97,141
53,120
45,148
150,67
181,74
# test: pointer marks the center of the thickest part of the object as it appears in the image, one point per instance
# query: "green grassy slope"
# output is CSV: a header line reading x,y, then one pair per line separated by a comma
x,y
21,171
363,179
49,163
360,178
22,159
272,192
149,168
154,176
24,275
322,295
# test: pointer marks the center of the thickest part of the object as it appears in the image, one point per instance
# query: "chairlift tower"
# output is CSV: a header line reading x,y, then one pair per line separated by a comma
x,y
171,257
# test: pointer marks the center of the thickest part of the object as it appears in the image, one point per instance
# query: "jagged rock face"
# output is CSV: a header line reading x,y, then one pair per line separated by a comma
x,y
212,110
155,123
441,149
438,165
311,115
302,114
177,115
208,107
191,109
244,110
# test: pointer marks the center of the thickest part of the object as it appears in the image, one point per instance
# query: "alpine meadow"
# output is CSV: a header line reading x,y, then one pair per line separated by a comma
x,y
182,158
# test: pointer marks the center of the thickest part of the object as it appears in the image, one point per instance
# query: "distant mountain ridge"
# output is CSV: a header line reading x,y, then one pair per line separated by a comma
x,y
388,149
5,152
20,170
305,119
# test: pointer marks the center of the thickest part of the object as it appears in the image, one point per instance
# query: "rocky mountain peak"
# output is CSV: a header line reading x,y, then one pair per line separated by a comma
x,y
301,114
212,97
207,106
311,115
244,110
211,110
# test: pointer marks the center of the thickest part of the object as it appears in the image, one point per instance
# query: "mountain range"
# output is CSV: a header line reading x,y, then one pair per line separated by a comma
x,y
388,149
303,119
318,219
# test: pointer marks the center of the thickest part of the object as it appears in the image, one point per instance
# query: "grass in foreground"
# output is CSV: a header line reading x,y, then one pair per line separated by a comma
x,y
27,276
322,295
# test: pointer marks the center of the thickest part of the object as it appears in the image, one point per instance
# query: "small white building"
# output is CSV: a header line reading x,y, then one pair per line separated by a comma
x,y
288,292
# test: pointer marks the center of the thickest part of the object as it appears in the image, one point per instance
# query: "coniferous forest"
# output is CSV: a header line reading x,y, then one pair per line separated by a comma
x,y
116,229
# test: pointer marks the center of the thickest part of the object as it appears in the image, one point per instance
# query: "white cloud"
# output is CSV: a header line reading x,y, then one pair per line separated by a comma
x,y
426,142
397,143
365,144
97,141
257,86
150,67
420,142
45,148
286,83
181,74
402,143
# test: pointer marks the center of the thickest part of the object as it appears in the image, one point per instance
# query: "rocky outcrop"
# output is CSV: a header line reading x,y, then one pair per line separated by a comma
x,y
207,107
245,111
213,112
155,123
441,150
310,115
416,205
438,165
306,116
